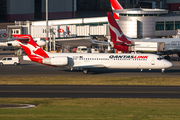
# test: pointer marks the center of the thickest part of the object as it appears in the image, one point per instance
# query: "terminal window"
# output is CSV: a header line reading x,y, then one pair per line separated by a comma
x,y
169,25
177,25
160,26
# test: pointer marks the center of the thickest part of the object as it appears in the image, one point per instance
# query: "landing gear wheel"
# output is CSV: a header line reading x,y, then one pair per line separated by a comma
x,y
162,71
85,71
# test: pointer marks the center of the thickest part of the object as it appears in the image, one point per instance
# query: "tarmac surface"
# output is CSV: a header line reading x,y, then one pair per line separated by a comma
x,y
92,91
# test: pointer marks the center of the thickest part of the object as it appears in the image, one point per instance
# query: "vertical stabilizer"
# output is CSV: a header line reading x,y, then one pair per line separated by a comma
x,y
115,6
115,31
33,51
120,41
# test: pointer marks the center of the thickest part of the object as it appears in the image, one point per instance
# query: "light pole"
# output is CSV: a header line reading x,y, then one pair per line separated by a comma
x,y
47,29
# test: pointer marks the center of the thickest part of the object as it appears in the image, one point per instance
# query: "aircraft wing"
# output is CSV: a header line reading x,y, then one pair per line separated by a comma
x,y
98,42
91,66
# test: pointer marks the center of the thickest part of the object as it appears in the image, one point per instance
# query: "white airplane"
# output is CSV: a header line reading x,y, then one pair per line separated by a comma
x,y
86,61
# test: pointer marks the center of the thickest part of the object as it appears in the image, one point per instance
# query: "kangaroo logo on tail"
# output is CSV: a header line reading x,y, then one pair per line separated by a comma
x,y
115,31
33,51
120,41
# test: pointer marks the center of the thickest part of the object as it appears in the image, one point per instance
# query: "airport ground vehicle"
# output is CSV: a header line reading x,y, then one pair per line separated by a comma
x,y
142,46
10,61
81,49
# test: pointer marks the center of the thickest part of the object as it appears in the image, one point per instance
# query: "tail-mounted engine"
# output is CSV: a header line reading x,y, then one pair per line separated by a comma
x,y
57,61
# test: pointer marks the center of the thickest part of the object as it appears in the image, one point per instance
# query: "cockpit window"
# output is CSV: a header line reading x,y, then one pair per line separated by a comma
x,y
160,58
84,49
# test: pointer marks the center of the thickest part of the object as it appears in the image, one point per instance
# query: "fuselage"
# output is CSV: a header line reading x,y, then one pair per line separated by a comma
x,y
112,60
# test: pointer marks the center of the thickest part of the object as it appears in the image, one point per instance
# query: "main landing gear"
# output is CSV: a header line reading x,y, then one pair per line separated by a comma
x,y
85,71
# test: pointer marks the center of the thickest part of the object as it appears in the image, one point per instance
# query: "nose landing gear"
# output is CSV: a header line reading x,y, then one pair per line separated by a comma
x,y
162,71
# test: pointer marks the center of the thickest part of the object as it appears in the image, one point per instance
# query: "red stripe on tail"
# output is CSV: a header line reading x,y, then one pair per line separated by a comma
x,y
115,5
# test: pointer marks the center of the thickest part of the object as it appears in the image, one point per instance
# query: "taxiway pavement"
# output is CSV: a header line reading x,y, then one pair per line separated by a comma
x,y
91,91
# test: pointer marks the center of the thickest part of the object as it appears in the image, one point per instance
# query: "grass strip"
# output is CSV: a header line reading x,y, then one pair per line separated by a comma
x,y
93,108
89,80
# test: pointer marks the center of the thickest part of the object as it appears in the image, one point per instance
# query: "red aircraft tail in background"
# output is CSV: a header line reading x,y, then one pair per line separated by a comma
x,y
116,6
121,43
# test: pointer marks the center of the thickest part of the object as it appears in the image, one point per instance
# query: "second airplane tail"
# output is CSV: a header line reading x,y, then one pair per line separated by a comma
x,y
115,6
120,41
115,31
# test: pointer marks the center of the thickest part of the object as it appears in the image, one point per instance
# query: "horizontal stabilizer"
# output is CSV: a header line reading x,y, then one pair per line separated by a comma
x,y
17,38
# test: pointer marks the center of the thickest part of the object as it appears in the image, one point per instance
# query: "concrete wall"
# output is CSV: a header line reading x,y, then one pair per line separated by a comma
x,y
58,9
173,6
25,9
143,27
128,26
20,10
172,1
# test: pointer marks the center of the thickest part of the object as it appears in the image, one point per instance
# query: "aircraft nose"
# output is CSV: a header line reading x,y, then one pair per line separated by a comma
x,y
168,64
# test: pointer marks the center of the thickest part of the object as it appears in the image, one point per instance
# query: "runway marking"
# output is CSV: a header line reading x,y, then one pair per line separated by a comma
x,y
80,92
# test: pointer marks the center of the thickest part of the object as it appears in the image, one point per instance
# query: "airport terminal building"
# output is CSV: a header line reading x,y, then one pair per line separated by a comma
x,y
142,23
135,23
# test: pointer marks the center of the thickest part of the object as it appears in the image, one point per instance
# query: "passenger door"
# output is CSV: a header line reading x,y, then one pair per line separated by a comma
x,y
152,61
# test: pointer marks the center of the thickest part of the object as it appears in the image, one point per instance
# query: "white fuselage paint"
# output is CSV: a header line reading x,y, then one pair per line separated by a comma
x,y
105,59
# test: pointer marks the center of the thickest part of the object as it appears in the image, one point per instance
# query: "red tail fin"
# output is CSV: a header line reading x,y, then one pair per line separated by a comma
x,y
33,51
117,36
115,6
115,31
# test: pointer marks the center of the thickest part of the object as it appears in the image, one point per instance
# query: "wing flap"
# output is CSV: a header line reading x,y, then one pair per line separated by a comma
x,y
90,66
